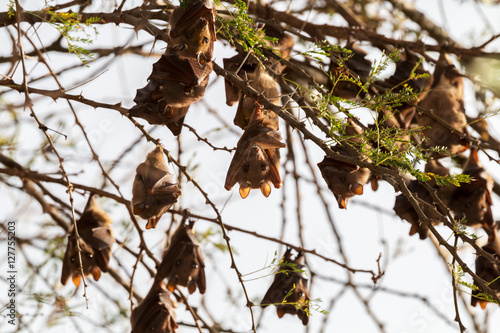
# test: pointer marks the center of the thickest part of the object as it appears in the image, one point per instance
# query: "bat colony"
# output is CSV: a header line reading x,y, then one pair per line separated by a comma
x,y
180,78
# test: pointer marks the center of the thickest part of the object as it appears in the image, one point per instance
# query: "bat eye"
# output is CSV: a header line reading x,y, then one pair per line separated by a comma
x,y
157,202
483,209
205,40
263,167
89,255
467,205
178,262
246,167
149,108
187,89
189,35
300,293
194,265
343,178
72,259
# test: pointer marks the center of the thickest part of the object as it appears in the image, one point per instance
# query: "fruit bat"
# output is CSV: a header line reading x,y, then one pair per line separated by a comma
x,y
251,69
288,292
256,161
405,210
345,180
154,190
155,313
96,241
353,64
183,261
173,86
473,200
193,30
445,100
263,83
487,270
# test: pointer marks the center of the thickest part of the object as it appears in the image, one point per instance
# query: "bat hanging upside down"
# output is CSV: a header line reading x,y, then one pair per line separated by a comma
x,y
154,190
96,240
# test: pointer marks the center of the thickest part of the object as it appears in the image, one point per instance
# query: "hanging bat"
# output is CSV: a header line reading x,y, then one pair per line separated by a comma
x,y
473,200
155,313
154,190
445,100
355,66
288,292
173,86
256,161
252,69
96,241
263,83
405,210
193,30
183,262
487,270
345,180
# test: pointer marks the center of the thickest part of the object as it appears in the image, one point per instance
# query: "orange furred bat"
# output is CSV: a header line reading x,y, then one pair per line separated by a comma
x,y
173,86
289,292
155,313
154,190
96,241
183,262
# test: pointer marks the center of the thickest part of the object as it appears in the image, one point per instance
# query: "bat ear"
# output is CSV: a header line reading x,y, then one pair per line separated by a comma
x,y
201,280
76,280
244,190
65,267
96,273
357,188
342,202
265,188
274,176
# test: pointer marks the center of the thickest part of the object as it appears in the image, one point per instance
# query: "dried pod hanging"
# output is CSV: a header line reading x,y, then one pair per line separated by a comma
x,y
289,292
154,190
96,241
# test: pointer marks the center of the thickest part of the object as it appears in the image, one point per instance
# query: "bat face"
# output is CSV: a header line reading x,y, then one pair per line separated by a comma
x,y
193,30
255,163
183,262
343,179
487,270
289,292
473,200
155,313
173,86
96,241
154,190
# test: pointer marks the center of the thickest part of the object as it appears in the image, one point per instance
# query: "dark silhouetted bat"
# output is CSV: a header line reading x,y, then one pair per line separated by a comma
x,y
154,190
96,241
345,180
473,200
445,100
155,313
183,261
487,270
288,292
173,86
405,210
355,66
256,161
193,30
